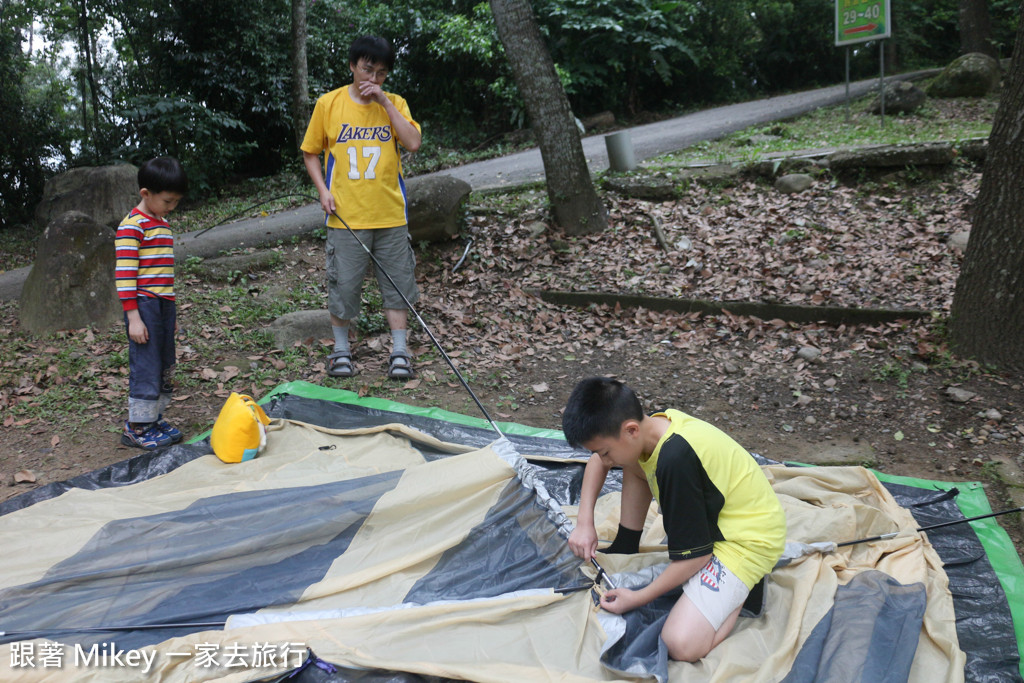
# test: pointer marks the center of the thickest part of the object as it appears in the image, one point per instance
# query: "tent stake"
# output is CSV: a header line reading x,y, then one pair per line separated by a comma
x,y
893,534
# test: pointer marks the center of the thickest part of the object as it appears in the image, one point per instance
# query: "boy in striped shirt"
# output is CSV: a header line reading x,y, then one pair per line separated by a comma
x,y
145,286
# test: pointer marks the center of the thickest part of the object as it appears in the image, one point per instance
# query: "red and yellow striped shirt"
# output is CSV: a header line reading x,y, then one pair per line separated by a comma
x,y
145,259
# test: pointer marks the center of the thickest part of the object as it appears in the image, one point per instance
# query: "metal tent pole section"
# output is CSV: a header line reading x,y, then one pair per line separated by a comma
x,y
426,329
893,534
602,575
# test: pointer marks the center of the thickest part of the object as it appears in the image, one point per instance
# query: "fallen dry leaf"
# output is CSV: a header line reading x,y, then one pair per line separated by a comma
x,y
24,477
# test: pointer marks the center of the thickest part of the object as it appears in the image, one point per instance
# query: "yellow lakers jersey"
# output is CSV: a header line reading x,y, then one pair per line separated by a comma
x,y
362,164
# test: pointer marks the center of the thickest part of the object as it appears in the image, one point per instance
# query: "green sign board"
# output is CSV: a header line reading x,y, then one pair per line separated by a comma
x,y
858,21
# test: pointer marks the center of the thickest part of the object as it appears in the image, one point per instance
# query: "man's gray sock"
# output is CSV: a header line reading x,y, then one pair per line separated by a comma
x,y
398,342
341,339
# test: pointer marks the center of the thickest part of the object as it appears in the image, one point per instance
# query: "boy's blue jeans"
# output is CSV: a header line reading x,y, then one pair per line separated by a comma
x,y
151,365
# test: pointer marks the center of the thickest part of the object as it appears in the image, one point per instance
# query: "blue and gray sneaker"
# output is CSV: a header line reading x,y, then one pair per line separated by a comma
x,y
169,430
148,437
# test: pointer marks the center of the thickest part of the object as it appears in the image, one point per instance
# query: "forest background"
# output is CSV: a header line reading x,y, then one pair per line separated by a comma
x,y
91,82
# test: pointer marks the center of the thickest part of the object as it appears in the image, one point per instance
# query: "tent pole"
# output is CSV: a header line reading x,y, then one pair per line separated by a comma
x,y
893,534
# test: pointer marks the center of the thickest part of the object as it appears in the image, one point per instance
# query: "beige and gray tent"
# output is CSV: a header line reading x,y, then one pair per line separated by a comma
x,y
373,541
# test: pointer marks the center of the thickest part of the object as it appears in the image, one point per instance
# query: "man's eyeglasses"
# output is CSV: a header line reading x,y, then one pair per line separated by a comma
x,y
380,73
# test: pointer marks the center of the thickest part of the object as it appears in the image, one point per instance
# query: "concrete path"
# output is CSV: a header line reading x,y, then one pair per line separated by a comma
x,y
671,135
648,141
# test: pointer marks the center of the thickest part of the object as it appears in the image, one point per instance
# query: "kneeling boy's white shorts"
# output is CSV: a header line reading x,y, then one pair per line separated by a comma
x,y
716,592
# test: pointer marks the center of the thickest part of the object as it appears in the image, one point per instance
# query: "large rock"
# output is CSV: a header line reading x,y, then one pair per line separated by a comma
x,y
970,75
71,284
794,182
107,193
302,327
435,207
886,156
901,97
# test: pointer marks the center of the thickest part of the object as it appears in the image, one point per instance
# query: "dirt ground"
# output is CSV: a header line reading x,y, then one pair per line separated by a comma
x,y
875,395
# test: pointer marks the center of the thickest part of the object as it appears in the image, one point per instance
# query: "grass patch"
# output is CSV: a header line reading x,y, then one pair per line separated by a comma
x,y
830,127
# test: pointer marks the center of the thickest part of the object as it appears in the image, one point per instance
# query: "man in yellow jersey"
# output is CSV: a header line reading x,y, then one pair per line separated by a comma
x,y
724,523
358,128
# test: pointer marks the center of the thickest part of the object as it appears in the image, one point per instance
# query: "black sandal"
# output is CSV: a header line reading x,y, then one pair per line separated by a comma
x,y
339,364
400,366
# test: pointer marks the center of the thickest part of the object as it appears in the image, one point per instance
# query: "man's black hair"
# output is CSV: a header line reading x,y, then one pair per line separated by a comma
x,y
374,49
163,174
597,407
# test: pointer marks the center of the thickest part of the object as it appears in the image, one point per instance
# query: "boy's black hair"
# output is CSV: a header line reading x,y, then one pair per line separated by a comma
x,y
597,407
373,49
163,174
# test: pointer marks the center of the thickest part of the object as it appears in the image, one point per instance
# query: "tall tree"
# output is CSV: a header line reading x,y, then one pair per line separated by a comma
x,y
300,73
976,28
987,318
577,208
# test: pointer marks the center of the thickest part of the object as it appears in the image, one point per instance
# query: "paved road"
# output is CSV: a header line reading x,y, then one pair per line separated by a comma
x,y
648,141
671,135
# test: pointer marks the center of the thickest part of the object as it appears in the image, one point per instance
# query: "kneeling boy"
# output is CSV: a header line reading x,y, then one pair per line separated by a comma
x,y
725,526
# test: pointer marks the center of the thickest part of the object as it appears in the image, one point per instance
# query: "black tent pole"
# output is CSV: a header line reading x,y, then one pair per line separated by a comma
x,y
929,528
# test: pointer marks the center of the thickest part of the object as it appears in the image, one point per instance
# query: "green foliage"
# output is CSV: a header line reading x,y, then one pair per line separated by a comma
x,y
795,46
35,138
199,137
894,371
926,32
615,51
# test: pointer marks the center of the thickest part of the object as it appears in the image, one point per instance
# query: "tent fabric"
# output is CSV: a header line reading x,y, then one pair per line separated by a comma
x,y
395,555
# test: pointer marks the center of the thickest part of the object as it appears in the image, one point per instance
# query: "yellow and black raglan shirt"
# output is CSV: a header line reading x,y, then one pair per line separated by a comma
x,y
362,164
715,498
145,259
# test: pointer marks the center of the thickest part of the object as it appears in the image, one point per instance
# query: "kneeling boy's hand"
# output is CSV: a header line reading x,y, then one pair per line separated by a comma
x,y
620,600
583,541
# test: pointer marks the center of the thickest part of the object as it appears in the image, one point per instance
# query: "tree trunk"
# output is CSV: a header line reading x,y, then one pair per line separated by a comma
x,y
300,76
85,74
987,318
976,28
88,56
577,208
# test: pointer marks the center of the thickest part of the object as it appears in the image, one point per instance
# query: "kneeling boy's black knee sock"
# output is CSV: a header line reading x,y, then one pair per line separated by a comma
x,y
627,542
